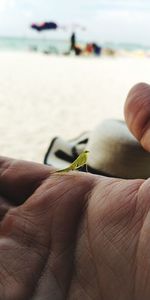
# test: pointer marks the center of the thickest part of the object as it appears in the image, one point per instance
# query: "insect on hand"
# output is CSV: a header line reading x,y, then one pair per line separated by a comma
x,y
79,162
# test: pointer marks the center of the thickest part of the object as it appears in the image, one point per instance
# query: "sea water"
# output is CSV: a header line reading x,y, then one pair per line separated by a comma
x,y
57,46
25,44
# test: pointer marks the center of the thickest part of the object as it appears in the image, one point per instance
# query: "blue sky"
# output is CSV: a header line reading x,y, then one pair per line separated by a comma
x,y
105,20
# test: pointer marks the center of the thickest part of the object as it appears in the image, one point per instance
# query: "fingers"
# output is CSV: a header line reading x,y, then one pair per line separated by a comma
x,y
19,179
43,233
137,113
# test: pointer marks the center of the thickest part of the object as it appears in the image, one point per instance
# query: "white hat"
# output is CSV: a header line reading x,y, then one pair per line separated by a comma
x,y
113,152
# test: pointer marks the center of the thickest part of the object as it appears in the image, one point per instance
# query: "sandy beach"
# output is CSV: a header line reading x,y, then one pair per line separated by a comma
x,y
45,96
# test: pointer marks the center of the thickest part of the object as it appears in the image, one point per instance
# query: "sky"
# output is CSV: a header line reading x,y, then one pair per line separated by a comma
x,y
118,21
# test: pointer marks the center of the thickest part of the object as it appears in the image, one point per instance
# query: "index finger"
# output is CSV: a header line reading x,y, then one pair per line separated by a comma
x,y
19,179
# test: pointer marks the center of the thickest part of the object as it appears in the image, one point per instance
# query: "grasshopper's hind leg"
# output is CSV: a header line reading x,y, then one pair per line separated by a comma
x,y
86,168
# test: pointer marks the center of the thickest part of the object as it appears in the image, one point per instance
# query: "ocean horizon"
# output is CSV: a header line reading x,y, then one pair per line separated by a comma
x,y
58,46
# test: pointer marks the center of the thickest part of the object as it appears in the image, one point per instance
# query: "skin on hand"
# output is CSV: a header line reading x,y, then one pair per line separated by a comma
x,y
72,236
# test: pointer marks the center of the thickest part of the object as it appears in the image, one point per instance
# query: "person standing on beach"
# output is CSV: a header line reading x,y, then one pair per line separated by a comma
x,y
73,47
73,42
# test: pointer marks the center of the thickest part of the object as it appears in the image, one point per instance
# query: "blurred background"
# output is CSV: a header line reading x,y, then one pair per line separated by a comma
x,y
65,66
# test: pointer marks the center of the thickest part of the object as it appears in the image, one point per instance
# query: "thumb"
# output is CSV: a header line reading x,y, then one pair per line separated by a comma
x,y
137,113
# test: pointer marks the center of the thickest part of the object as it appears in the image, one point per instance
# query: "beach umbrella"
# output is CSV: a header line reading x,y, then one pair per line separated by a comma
x,y
45,26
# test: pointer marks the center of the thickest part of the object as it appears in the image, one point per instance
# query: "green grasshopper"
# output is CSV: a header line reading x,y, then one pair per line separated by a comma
x,y
79,162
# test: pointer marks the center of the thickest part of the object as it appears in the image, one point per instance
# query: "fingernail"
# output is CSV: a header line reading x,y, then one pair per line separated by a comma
x,y
145,141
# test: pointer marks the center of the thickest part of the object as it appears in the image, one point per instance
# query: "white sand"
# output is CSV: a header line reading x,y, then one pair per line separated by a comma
x,y
45,96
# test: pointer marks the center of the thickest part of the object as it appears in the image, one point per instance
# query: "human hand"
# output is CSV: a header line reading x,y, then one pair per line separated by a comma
x,y
75,236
